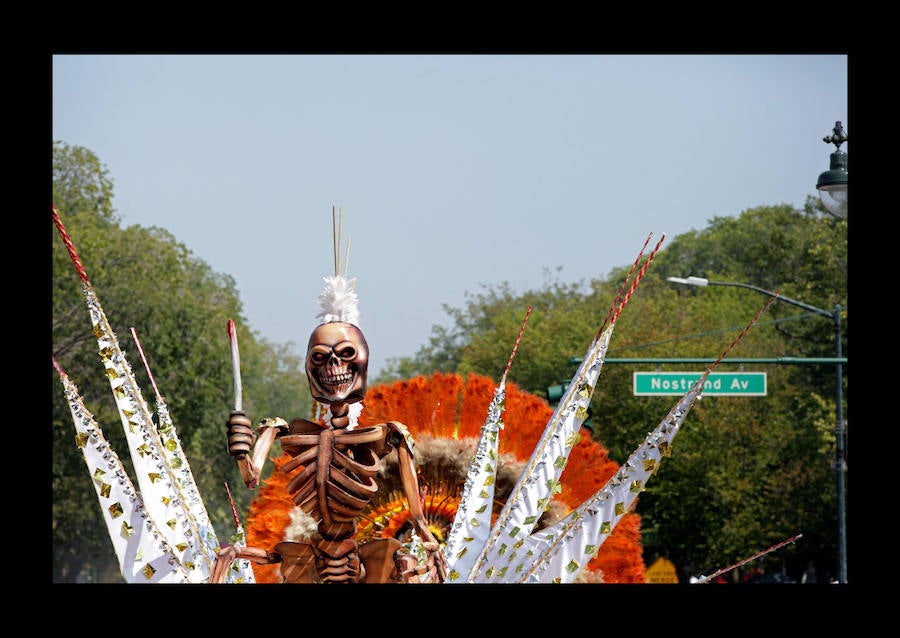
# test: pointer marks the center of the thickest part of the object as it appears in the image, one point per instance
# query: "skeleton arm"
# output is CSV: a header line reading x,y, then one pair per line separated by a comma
x,y
228,554
402,441
240,439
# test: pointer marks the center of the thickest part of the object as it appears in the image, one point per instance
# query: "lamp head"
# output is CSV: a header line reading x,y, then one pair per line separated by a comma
x,y
832,184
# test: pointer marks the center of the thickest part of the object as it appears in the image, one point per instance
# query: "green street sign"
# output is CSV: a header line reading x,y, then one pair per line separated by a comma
x,y
744,384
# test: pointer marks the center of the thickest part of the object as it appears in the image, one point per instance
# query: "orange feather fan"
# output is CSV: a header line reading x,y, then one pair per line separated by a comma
x,y
444,414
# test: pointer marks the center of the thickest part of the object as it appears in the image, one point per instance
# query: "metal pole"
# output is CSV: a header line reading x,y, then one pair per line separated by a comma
x,y
839,452
839,431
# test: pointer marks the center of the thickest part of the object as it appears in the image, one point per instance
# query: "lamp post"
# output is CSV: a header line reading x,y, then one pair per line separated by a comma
x,y
832,184
840,461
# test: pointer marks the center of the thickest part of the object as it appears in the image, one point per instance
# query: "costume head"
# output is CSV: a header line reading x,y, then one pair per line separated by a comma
x,y
337,356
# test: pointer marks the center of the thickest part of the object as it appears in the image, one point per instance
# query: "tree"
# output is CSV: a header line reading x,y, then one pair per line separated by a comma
x,y
179,309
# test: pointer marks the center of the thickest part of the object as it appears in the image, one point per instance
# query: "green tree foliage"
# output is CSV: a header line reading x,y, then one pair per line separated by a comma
x,y
747,472
179,309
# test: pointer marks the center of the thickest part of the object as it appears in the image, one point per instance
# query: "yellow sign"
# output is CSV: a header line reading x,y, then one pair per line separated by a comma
x,y
661,571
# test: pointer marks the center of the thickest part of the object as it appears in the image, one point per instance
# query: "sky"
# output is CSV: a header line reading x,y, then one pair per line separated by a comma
x,y
451,173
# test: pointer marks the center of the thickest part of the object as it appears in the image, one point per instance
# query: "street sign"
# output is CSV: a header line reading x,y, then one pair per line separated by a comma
x,y
661,571
744,384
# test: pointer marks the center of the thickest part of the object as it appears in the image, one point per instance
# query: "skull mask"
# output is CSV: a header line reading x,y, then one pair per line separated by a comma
x,y
337,360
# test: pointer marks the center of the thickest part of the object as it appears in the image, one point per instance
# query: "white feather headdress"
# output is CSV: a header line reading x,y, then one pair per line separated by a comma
x,y
338,301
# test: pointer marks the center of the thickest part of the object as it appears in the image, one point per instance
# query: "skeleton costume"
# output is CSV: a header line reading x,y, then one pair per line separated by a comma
x,y
334,464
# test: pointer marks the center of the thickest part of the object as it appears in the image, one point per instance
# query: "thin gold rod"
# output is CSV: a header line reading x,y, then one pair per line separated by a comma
x,y
337,264
334,239
347,258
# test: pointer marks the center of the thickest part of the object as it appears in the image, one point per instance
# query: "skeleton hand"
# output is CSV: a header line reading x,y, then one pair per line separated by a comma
x,y
224,558
437,566
227,554
240,434
433,571
434,554
241,438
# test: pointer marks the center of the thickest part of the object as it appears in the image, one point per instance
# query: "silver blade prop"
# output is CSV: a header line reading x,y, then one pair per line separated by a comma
x,y
539,481
236,365
245,464
472,522
143,553
559,553
178,460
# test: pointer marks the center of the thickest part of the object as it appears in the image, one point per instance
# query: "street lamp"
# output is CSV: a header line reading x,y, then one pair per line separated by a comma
x,y
840,461
832,184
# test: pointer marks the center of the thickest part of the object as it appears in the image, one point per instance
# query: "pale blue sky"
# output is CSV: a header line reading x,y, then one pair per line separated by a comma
x,y
453,171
